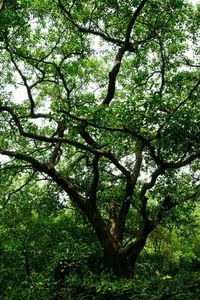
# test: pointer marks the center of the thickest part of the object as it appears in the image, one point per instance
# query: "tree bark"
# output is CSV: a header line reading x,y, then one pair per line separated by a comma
x,y
121,259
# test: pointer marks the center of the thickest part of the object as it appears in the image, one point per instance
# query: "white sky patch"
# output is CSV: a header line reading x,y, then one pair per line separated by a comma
x,y
194,1
4,159
19,93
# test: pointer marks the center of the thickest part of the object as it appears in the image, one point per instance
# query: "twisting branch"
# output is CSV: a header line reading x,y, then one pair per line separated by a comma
x,y
63,181
36,62
147,186
113,75
132,47
58,69
56,153
182,163
86,136
130,186
146,143
127,46
28,88
65,140
133,20
107,154
124,129
70,18
144,83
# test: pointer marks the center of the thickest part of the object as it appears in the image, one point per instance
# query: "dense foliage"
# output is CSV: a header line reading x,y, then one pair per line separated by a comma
x,y
50,252
99,141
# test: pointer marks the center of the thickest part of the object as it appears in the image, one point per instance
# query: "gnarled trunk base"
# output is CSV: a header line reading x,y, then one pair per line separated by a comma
x,y
122,265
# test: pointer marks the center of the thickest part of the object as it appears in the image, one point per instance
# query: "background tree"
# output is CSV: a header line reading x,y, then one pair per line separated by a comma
x,y
111,112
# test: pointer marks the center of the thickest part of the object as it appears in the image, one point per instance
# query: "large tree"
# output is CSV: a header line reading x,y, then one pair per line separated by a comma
x,y
102,98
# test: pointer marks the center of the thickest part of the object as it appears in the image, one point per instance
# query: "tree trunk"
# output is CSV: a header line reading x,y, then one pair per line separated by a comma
x,y
123,260
122,264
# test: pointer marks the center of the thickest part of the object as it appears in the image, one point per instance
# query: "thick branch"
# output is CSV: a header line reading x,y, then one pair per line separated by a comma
x,y
147,186
78,145
94,186
162,67
183,163
63,181
124,129
86,136
87,207
56,153
133,20
126,46
113,75
134,247
131,183
137,166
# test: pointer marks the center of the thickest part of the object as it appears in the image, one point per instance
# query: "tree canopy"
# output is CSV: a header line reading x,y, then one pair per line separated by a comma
x,y
108,112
